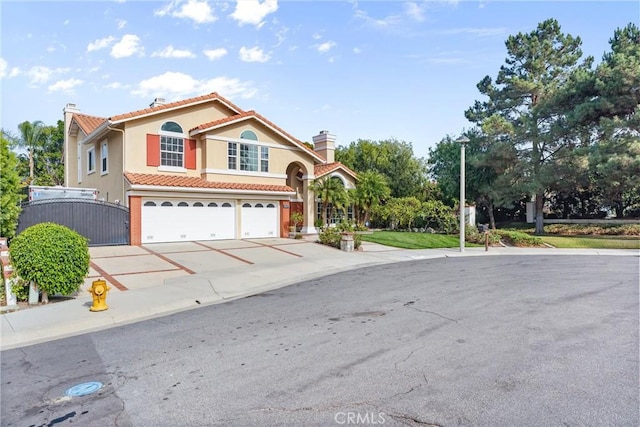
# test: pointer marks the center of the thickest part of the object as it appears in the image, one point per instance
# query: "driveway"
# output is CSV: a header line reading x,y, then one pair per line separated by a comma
x,y
135,267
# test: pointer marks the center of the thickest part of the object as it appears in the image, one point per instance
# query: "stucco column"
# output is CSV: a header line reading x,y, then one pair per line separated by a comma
x,y
309,207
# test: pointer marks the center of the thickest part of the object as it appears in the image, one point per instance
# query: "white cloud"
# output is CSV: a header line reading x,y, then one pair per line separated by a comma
x,y
66,22
254,54
357,50
173,85
65,85
41,74
121,23
198,11
253,12
100,43
414,11
114,85
171,52
127,46
325,47
384,23
316,36
214,54
4,66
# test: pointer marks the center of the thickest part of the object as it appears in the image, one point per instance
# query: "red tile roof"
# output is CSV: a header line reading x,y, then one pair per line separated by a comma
x,y
195,182
197,99
252,113
88,123
321,170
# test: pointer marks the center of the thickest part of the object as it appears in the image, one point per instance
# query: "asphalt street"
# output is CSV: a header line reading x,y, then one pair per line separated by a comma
x,y
480,341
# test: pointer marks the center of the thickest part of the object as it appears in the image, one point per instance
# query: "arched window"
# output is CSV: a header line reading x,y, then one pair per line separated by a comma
x,y
171,145
167,204
259,205
171,127
246,205
183,204
271,205
213,205
226,205
249,134
149,204
197,205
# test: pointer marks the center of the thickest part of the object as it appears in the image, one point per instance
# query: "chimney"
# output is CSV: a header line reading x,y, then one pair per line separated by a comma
x,y
157,102
69,110
325,144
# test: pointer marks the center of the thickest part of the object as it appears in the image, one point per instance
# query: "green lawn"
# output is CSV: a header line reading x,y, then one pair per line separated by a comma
x,y
407,240
599,242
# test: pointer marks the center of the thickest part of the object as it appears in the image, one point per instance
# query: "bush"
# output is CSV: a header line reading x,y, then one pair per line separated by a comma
x,y
517,238
52,256
333,235
472,235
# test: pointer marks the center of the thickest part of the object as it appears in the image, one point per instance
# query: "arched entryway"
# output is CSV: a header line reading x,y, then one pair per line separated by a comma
x,y
297,178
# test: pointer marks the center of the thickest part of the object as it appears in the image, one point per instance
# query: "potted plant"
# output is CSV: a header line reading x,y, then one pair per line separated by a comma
x,y
295,220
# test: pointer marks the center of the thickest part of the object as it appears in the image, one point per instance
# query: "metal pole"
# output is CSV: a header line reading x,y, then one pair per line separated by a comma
x,y
462,196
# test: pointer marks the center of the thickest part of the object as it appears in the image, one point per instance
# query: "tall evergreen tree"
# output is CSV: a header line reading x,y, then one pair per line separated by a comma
x,y
536,67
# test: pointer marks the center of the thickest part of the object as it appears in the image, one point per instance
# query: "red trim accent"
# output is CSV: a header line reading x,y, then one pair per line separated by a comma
x,y
190,154
153,150
135,220
285,215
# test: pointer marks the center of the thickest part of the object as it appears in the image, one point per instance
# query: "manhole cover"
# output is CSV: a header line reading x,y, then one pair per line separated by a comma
x,y
84,389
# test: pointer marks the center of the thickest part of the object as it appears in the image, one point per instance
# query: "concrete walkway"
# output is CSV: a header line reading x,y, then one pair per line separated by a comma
x,y
159,279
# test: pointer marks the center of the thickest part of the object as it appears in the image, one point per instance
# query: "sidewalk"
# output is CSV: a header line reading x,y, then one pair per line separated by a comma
x,y
184,292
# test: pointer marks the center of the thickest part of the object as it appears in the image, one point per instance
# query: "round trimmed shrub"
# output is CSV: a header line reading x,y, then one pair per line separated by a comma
x,y
52,256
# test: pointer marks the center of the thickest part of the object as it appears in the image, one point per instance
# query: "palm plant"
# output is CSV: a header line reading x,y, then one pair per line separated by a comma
x,y
329,191
371,190
30,138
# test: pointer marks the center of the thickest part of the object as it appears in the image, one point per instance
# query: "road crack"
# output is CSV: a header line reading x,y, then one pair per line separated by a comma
x,y
410,304
411,420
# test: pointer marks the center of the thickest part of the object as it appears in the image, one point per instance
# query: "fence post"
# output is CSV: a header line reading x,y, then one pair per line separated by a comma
x,y
10,297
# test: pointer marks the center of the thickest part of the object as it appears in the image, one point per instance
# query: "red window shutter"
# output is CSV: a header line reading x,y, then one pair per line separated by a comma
x,y
190,154
153,150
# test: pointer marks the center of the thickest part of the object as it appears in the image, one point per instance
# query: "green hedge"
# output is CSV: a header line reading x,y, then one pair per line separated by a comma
x,y
53,256
517,238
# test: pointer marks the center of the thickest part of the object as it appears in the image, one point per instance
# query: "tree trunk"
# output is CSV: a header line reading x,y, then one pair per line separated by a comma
x,y
45,297
30,165
492,218
539,214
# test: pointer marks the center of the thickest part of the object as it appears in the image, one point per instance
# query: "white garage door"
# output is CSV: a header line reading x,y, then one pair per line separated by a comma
x,y
187,220
259,219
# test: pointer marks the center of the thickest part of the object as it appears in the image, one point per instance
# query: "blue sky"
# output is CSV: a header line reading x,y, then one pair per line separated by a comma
x,y
360,69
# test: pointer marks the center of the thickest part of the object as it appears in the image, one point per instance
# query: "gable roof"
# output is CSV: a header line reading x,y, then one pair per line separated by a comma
x,y
321,170
154,180
88,123
251,114
174,105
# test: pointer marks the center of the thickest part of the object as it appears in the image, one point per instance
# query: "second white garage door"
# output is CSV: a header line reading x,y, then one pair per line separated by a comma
x,y
187,220
259,219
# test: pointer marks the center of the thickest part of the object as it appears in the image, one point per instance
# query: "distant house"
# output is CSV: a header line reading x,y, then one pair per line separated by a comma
x,y
199,169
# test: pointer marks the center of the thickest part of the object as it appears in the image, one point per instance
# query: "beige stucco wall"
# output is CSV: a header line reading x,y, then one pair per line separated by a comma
x,y
281,154
187,118
109,184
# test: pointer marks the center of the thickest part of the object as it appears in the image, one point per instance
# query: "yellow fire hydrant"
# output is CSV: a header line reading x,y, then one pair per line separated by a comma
x,y
99,291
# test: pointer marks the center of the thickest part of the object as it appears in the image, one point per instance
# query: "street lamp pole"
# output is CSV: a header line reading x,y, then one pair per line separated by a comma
x,y
463,140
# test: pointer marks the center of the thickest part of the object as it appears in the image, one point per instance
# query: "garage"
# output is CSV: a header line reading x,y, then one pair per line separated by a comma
x,y
187,220
259,219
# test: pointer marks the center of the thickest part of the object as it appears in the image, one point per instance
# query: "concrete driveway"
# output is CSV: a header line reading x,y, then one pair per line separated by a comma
x,y
135,267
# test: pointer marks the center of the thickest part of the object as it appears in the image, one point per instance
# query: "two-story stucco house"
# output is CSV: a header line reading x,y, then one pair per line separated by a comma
x,y
199,169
